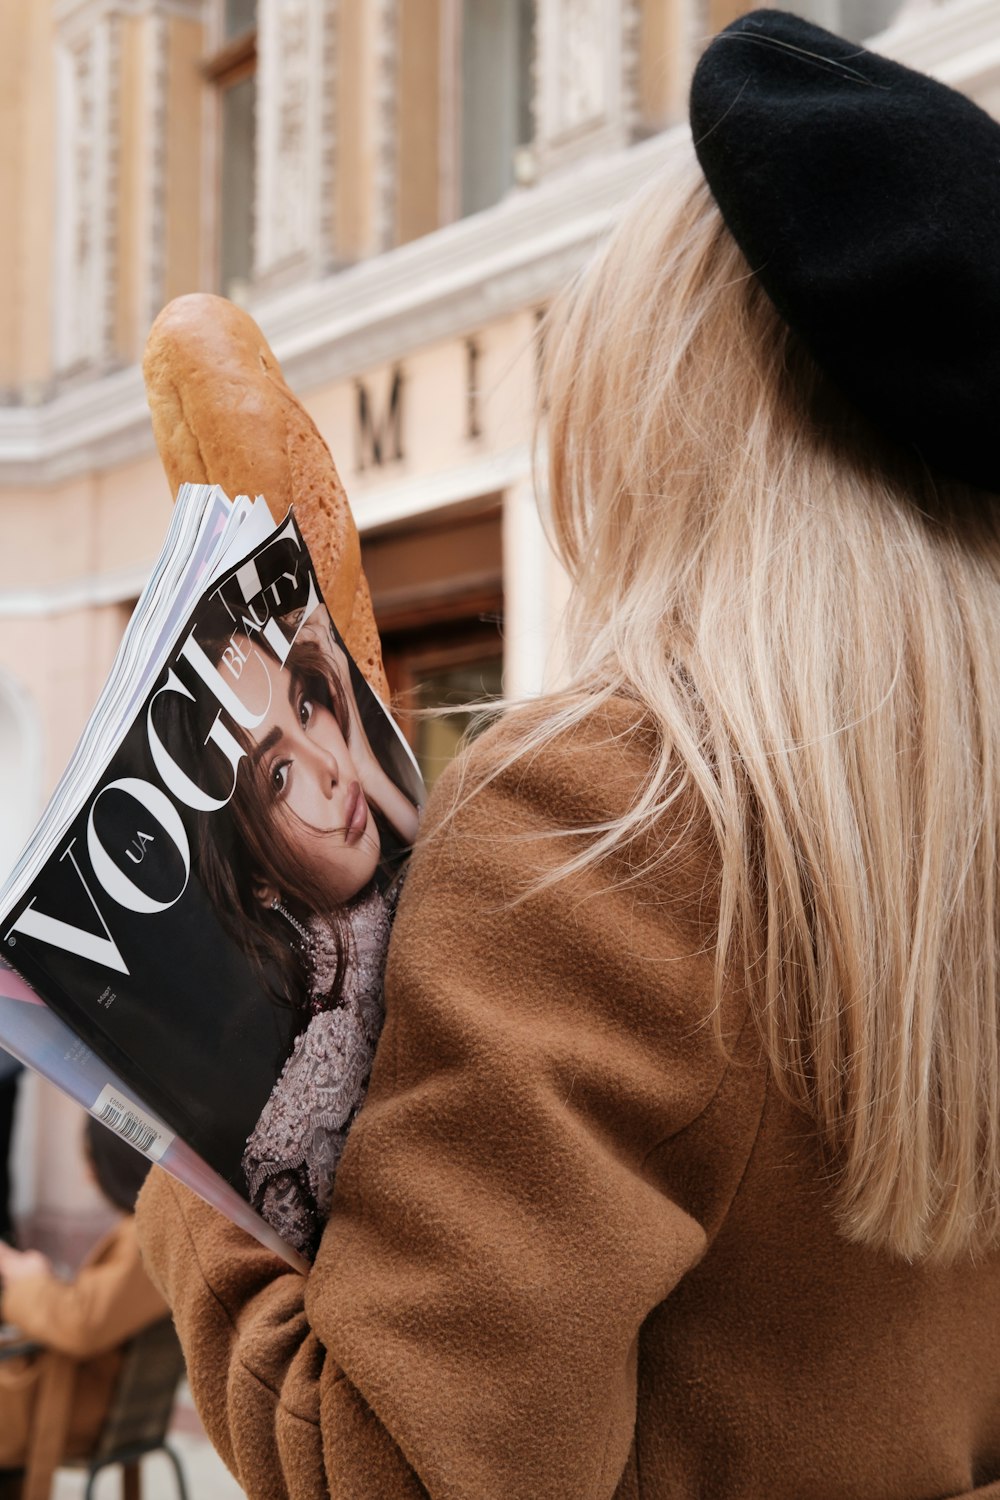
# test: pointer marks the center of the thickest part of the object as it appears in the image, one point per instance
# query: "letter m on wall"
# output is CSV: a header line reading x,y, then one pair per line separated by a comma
x,y
380,431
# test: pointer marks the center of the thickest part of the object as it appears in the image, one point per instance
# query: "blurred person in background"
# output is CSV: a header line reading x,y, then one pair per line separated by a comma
x,y
109,1301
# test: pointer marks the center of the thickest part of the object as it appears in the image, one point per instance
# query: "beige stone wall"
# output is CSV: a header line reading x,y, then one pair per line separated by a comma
x,y
434,423
419,124
187,266
61,662
86,527
27,132
71,540
721,12
662,65
13,30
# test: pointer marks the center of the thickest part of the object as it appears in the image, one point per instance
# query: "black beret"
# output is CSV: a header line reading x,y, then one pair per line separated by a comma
x,y
866,198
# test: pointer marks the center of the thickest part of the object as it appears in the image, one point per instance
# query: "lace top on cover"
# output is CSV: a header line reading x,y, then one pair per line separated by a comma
x,y
292,1155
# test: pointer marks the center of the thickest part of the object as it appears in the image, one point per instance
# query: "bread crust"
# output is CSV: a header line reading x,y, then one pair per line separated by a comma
x,y
223,414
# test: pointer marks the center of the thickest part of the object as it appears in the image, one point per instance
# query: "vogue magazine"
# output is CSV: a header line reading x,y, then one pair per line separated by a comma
x,y
196,932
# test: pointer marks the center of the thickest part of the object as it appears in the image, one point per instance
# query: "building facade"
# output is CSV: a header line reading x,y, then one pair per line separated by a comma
x,y
395,189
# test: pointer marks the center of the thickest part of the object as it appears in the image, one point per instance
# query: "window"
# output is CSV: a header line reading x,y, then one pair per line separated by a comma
x,y
495,63
437,592
233,73
240,17
444,669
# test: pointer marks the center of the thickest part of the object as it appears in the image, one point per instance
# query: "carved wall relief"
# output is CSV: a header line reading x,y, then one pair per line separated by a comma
x,y
86,218
387,22
582,94
295,138
587,77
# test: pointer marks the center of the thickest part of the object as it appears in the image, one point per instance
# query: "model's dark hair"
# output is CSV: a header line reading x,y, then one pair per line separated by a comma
x,y
118,1167
244,845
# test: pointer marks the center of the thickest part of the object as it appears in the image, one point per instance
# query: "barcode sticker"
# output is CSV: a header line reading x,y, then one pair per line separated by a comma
x,y
133,1124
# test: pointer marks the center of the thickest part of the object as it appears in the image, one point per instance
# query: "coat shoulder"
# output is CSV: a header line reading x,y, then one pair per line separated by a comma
x,y
548,807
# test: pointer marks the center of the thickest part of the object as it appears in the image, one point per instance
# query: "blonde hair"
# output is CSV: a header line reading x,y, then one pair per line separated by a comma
x,y
812,623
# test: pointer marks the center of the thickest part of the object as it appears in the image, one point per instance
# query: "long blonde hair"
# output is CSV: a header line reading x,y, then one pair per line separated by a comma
x,y
812,623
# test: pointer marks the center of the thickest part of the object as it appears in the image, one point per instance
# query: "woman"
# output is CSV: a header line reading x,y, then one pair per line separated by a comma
x,y
304,870
679,1173
109,1301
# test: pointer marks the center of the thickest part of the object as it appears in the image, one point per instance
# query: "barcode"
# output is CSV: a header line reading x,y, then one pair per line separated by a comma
x,y
129,1126
131,1123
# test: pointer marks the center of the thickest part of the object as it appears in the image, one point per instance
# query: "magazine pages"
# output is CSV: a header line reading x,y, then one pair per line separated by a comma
x,y
196,931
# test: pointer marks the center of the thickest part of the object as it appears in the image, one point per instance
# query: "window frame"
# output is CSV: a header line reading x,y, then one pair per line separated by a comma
x,y
229,62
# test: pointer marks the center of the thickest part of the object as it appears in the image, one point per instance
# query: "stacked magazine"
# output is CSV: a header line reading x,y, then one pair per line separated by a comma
x,y
192,942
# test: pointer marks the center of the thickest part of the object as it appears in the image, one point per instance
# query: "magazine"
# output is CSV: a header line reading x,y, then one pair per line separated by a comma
x,y
196,932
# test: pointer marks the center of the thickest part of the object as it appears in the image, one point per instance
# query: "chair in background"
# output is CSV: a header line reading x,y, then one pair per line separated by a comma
x,y
138,1418
140,1413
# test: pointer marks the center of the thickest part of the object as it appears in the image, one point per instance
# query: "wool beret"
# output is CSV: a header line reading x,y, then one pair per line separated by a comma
x,y
866,198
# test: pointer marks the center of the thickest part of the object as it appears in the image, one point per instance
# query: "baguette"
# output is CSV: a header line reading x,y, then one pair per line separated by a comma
x,y
223,414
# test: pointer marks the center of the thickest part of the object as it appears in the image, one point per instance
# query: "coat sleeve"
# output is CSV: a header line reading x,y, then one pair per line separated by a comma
x,y
108,1302
502,1222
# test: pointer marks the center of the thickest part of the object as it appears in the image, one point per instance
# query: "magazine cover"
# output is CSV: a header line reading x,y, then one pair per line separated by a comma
x,y
213,923
36,1035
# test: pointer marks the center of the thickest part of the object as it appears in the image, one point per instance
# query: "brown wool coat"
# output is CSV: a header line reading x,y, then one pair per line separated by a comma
x,y
575,1251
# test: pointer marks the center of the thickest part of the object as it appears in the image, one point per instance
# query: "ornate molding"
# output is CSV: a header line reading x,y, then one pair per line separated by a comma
x,y
73,17
109,205
445,285
631,42
578,98
153,257
587,95
88,147
88,49
386,123
327,145
295,138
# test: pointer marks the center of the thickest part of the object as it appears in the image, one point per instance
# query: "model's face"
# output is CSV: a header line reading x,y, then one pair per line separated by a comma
x,y
310,779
